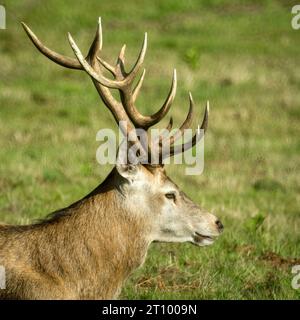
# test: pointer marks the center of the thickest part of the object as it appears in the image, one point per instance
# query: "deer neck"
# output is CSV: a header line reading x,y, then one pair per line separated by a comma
x,y
109,240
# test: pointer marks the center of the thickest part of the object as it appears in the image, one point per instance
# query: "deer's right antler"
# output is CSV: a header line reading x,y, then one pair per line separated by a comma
x,y
124,111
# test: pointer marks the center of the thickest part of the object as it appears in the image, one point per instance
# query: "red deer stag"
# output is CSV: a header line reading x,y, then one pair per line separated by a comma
x,y
87,250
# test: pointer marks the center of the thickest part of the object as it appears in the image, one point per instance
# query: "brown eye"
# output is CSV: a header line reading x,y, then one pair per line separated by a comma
x,y
170,195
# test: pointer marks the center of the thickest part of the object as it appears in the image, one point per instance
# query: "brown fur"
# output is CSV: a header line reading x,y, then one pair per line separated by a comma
x,y
85,251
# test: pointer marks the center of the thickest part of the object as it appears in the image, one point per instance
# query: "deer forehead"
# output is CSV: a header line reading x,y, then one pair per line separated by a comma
x,y
147,185
155,180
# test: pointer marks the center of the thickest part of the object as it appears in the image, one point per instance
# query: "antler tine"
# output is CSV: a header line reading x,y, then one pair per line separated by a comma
x,y
100,33
139,61
137,118
63,60
120,72
96,44
170,124
52,55
107,66
114,84
195,139
168,102
148,121
187,122
137,88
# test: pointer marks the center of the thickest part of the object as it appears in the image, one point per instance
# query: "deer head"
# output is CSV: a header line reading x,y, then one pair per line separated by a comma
x,y
144,189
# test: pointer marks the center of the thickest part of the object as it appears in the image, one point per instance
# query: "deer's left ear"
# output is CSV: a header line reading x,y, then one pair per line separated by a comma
x,y
128,171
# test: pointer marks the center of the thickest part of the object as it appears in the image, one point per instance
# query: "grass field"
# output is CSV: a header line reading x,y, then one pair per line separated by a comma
x,y
241,55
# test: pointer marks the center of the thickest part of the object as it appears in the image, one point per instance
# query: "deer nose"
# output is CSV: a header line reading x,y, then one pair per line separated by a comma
x,y
219,225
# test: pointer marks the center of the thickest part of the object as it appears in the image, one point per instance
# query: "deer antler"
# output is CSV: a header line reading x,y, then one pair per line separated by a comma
x,y
126,109
113,105
124,81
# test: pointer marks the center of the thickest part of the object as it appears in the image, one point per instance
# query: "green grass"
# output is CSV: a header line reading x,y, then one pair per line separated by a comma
x,y
242,56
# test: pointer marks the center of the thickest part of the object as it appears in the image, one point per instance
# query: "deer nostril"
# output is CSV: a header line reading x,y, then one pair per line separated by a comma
x,y
219,225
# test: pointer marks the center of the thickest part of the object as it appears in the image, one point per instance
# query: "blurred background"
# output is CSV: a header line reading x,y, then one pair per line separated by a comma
x,y
242,56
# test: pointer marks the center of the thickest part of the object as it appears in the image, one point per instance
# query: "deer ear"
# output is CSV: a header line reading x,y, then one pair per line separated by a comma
x,y
128,171
125,164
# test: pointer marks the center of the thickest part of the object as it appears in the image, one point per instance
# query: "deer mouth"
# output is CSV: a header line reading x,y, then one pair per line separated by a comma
x,y
201,239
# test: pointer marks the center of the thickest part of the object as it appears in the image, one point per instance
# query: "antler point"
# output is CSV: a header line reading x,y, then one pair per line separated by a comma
x,y
70,38
174,75
146,38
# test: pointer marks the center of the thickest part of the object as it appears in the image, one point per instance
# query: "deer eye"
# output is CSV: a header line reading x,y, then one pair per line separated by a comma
x,y
170,195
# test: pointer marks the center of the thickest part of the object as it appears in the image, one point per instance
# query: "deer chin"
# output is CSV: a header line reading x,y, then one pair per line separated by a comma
x,y
202,240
